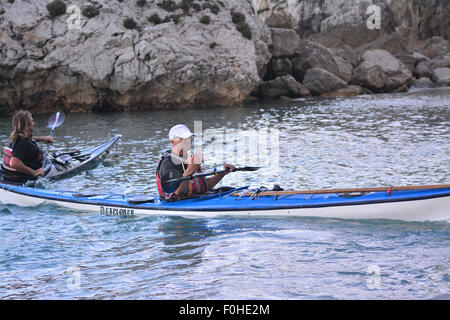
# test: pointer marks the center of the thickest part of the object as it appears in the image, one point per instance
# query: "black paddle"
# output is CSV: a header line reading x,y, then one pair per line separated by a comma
x,y
172,183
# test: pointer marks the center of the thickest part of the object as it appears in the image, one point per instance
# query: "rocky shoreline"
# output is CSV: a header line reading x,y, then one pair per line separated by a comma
x,y
98,56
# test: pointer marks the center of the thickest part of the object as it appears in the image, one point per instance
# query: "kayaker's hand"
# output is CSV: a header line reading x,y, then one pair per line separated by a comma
x,y
39,172
230,168
194,161
48,139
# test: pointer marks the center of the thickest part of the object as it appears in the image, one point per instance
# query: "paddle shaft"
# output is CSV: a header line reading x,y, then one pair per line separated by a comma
x,y
346,190
53,129
205,174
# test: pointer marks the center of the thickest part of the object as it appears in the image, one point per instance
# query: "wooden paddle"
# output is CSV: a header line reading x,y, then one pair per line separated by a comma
x,y
347,190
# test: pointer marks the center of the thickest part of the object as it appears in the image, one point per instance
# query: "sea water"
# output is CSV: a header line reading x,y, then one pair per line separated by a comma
x,y
49,252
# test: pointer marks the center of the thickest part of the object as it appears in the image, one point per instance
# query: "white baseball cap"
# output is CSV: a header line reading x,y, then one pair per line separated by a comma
x,y
180,131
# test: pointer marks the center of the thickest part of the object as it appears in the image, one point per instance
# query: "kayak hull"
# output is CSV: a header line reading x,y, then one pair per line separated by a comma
x,y
408,205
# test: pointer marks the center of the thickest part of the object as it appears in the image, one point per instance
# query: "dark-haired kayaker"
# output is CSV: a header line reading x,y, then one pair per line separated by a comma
x,y
23,154
179,162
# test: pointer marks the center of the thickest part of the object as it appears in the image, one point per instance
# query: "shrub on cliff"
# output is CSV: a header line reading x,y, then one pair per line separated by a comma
x,y
241,26
90,12
155,18
176,18
244,28
141,3
205,20
185,5
56,8
168,5
211,6
237,17
129,23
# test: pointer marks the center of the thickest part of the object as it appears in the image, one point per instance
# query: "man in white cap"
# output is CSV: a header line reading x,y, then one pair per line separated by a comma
x,y
179,162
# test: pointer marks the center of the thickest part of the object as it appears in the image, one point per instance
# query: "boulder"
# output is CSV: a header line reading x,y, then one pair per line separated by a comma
x,y
424,69
393,43
313,55
279,19
346,52
282,86
349,91
442,61
284,42
423,83
408,60
411,60
436,46
320,81
372,78
344,68
380,71
442,76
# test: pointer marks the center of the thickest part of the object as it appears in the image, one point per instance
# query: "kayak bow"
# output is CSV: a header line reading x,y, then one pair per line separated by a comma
x,y
428,203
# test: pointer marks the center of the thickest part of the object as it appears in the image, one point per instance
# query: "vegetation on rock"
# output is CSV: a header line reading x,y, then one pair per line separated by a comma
x,y
241,26
205,19
129,23
56,8
90,12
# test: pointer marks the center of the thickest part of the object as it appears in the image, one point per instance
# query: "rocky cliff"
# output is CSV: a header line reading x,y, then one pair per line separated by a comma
x,y
127,55
350,47
79,55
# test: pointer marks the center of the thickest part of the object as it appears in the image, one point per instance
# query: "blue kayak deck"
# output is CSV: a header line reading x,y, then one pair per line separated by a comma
x,y
228,202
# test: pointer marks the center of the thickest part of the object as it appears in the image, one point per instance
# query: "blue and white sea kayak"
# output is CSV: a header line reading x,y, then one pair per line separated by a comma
x,y
423,203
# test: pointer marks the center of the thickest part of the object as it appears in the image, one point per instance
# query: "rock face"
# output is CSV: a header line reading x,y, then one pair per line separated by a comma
x,y
337,22
102,65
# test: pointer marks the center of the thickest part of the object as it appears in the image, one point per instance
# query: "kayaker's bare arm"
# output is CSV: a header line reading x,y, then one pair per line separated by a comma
x,y
190,170
17,164
211,182
46,139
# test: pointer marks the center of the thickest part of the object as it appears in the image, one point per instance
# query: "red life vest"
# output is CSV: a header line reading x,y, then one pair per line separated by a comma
x,y
7,155
158,179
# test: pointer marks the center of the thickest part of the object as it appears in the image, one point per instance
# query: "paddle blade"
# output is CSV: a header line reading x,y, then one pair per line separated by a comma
x,y
248,169
56,120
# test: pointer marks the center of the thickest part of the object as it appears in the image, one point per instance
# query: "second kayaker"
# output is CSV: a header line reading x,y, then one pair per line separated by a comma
x,y
180,162
23,155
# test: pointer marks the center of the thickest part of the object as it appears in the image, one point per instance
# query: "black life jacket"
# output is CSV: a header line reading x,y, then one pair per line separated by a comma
x,y
167,169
